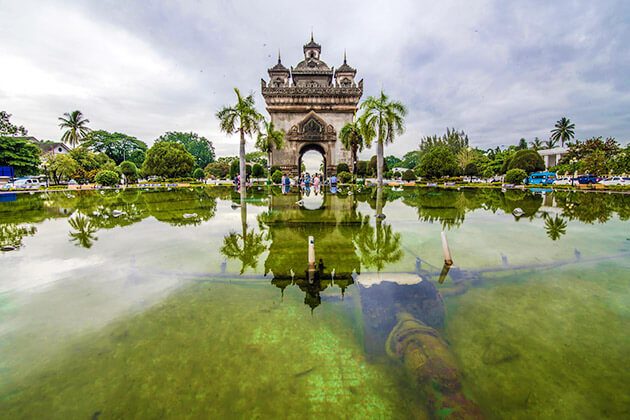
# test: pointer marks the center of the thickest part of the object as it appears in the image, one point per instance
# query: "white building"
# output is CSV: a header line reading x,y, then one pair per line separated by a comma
x,y
552,157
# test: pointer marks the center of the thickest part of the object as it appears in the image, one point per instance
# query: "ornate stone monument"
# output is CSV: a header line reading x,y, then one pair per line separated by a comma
x,y
311,103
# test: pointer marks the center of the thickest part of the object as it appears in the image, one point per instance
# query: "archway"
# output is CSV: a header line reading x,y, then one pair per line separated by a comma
x,y
313,158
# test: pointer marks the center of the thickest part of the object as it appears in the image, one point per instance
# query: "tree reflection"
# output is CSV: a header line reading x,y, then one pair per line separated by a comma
x,y
377,245
11,235
84,230
555,227
246,246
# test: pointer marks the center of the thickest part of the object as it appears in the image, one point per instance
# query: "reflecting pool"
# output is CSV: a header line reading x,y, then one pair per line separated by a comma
x,y
201,303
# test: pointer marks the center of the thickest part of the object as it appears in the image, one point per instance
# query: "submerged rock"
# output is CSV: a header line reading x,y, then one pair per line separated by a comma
x,y
428,360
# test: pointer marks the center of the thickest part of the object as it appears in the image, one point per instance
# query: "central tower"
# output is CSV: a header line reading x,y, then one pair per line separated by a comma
x,y
311,103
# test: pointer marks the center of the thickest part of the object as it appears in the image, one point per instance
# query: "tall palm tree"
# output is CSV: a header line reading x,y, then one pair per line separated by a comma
x,y
536,143
240,118
377,245
76,127
382,120
563,131
269,139
351,136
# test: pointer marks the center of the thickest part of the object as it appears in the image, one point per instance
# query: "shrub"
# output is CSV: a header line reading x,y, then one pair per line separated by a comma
x,y
471,169
437,162
169,160
274,168
217,169
129,170
258,171
344,177
198,174
276,177
342,167
515,176
409,175
107,178
527,160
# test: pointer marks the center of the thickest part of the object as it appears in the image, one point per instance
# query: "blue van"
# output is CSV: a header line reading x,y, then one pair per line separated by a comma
x,y
540,178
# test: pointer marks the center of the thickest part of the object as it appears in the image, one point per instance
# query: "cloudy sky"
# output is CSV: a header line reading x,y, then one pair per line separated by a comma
x,y
498,70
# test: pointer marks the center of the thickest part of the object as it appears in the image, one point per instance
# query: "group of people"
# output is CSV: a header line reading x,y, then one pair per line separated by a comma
x,y
306,182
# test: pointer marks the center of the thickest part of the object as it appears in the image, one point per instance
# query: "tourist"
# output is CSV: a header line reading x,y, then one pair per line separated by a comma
x,y
316,183
287,184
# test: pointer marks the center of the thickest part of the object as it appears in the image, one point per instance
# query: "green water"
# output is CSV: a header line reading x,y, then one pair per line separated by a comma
x,y
193,303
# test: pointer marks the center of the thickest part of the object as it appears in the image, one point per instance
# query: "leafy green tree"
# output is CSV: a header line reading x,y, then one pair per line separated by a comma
x,y
409,175
471,169
218,170
382,121
563,131
344,177
258,171
437,162
21,154
169,160
515,176
61,167
76,128
351,136
241,118
255,157
411,159
522,144
464,157
117,146
362,167
343,167
581,149
129,170
9,129
620,162
90,163
372,166
392,161
595,163
198,173
268,140
453,139
527,160
200,147
235,169
107,178
276,177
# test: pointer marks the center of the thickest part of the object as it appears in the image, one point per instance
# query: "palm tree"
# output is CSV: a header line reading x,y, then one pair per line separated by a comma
x,y
240,118
551,143
351,136
563,131
245,246
536,143
268,140
76,127
382,120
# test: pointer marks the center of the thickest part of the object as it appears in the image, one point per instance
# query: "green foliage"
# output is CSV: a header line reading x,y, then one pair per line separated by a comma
x,y
21,154
275,168
218,170
409,175
89,163
198,146
107,178
129,170
344,177
276,177
471,169
392,161
362,168
256,157
198,173
411,159
527,160
343,167
522,144
76,128
454,140
515,176
9,129
268,140
595,163
437,162
169,160
117,146
61,167
582,149
620,163
234,169
258,171
372,166
351,136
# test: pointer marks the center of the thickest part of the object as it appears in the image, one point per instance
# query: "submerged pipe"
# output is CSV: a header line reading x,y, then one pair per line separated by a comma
x,y
448,260
311,259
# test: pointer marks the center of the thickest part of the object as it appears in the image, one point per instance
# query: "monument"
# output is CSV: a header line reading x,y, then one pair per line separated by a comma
x,y
311,103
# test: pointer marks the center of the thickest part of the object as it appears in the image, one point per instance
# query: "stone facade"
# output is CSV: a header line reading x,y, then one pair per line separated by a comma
x,y
311,103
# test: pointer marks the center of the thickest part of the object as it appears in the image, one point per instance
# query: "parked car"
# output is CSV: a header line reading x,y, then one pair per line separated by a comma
x,y
588,179
26,184
615,180
567,180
